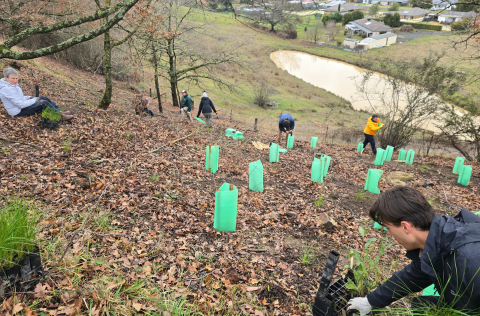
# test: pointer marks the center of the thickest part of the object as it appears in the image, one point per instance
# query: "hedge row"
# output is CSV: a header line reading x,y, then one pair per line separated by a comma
x,y
417,25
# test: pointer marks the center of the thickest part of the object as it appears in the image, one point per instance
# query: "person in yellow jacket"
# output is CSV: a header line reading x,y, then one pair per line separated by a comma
x,y
373,125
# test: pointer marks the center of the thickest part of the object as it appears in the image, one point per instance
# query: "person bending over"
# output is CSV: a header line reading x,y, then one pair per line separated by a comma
x,y
286,124
443,250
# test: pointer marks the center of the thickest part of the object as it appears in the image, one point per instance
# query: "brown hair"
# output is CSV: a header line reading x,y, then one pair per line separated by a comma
x,y
403,204
374,116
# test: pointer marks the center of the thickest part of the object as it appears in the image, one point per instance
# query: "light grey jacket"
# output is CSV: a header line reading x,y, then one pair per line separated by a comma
x,y
12,97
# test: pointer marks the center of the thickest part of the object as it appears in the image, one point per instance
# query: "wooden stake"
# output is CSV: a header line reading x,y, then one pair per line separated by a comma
x,y
255,126
231,115
231,187
37,90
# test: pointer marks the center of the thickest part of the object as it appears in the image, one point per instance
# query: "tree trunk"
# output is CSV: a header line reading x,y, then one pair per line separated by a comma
x,y
157,87
107,96
172,74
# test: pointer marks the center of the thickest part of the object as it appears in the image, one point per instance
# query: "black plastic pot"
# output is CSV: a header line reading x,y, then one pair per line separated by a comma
x,y
24,275
46,123
332,299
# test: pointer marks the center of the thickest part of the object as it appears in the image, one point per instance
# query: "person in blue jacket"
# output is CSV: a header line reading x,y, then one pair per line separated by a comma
x,y
286,124
443,250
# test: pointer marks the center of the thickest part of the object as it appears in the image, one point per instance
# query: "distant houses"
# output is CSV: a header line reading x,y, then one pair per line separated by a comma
x,y
454,16
413,14
443,5
367,27
344,8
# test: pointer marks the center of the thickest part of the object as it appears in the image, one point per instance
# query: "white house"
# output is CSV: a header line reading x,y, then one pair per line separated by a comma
x,y
454,16
377,41
367,27
443,5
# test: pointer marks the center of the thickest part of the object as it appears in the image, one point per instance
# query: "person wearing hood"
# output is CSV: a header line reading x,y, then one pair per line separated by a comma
x,y
206,107
19,105
373,125
444,251
286,124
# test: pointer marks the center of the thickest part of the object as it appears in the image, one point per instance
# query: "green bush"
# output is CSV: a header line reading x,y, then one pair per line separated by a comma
x,y
424,26
460,26
394,7
357,15
18,230
347,18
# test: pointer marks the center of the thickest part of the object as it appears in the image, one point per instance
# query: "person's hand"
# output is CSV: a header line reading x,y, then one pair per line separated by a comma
x,y
360,304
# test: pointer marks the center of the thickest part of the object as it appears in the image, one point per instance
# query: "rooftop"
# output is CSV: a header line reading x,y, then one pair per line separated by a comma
x,y
413,12
456,14
370,25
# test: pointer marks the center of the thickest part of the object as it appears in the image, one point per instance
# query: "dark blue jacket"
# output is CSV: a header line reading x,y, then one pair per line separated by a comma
x,y
283,117
206,106
450,260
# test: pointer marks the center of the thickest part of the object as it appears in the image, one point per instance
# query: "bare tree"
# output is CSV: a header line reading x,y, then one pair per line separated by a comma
x,y
332,29
406,95
18,30
313,32
273,14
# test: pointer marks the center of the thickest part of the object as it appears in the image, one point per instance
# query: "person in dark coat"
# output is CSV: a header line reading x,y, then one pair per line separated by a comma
x,y
286,124
206,107
444,250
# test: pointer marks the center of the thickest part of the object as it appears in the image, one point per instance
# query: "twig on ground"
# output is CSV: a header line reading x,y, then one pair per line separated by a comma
x,y
173,142
18,142
76,232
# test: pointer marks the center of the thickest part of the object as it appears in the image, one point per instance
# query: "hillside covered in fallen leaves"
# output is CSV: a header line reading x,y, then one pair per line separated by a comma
x,y
128,231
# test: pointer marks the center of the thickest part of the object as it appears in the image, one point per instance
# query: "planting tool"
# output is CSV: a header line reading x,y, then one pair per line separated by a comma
x,y
458,162
313,142
255,176
200,120
401,154
379,158
274,150
410,156
360,148
332,299
211,159
371,184
226,199
290,141
465,175
389,153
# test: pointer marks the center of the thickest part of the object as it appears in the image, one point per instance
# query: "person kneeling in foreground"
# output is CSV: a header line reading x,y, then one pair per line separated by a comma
x,y
18,104
444,251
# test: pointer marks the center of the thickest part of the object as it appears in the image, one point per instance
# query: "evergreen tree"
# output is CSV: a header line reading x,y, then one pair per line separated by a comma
x,y
347,17
357,15
424,4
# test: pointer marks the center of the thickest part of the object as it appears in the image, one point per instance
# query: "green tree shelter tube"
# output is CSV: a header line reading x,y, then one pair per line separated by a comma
x,y
458,162
290,141
226,200
410,156
389,153
255,176
229,132
379,158
274,152
378,226
401,154
313,142
326,164
464,175
211,160
359,147
318,170
371,184
430,291
237,135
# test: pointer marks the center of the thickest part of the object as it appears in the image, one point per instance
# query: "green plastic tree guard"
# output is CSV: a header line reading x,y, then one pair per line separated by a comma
x,y
237,135
274,151
226,199
229,132
410,156
466,174
211,160
381,124
430,291
379,158
371,184
401,154
360,147
458,162
326,164
389,153
313,142
255,176
378,226
318,170
200,120
290,141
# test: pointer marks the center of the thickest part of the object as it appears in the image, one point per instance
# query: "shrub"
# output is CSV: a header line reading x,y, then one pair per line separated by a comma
x,y
347,18
407,28
357,15
460,26
394,7
423,26
17,235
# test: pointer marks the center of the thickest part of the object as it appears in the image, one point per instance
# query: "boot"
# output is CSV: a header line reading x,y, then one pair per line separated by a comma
x,y
67,117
